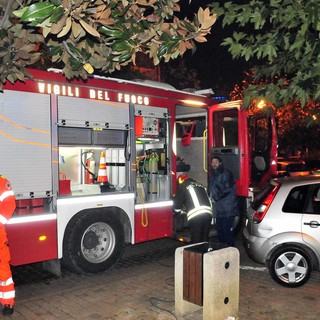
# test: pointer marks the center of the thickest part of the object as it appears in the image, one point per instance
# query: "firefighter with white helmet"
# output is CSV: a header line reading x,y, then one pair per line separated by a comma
x,y
193,197
7,207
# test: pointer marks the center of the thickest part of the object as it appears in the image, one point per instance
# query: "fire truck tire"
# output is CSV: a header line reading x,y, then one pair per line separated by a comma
x,y
93,243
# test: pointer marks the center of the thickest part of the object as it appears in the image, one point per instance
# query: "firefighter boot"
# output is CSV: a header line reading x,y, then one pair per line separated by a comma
x,y
7,310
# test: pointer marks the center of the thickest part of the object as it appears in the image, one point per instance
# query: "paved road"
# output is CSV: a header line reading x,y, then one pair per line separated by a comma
x,y
141,287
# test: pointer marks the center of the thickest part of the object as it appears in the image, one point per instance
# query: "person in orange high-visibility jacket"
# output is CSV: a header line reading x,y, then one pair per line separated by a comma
x,y
7,207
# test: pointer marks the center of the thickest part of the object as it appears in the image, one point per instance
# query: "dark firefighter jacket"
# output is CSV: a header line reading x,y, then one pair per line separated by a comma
x,y
193,197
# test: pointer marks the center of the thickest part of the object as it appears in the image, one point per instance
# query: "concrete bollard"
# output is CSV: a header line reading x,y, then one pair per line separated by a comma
x,y
220,284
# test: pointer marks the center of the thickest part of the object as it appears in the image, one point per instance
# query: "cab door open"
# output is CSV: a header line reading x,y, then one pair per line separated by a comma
x,y
228,139
247,144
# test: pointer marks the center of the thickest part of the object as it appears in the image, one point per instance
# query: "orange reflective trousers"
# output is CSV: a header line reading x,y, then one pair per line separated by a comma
x,y
7,207
7,292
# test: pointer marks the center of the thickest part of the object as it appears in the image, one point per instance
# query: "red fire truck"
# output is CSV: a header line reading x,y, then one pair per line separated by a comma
x,y
92,165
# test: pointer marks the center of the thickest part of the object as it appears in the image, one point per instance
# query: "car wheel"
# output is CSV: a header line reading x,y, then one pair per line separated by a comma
x,y
290,267
93,243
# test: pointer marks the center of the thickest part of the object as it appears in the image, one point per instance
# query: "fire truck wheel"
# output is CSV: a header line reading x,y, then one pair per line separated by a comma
x,y
93,243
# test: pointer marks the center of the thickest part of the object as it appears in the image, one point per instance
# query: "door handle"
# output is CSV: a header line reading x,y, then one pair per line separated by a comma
x,y
312,224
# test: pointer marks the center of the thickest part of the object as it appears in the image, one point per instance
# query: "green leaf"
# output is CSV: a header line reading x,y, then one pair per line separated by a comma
x,y
3,34
74,50
53,50
246,101
19,13
75,64
247,54
57,3
162,50
121,46
56,58
125,56
56,14
120,14
189,26
12,78
110,32
37,12
165,37
86,55
171,45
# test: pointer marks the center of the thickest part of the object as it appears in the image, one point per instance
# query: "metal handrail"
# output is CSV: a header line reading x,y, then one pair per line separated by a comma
x,y
205,150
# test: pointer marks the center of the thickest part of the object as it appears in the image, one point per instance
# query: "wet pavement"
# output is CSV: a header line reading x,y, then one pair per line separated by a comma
x,y
141,287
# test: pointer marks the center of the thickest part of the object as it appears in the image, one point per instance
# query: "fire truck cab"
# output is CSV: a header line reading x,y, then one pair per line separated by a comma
x,y
246,143
92,165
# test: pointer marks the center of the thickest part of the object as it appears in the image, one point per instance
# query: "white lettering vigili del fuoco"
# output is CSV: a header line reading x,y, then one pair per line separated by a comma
x,y
104,95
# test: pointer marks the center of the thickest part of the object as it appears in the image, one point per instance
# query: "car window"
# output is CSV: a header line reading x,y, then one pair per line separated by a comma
x,y
314,201
296,200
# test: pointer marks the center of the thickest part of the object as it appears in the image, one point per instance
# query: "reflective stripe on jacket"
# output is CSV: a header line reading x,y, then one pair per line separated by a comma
x,y
7,200
194,198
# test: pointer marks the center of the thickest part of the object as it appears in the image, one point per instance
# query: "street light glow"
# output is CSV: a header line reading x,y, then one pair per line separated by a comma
x,y
261,104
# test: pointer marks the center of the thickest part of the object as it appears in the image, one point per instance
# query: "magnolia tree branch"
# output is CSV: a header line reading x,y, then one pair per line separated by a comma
x,y
65,44
7,11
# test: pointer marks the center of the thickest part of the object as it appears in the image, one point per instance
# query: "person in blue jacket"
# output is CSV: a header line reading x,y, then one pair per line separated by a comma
x,y
224,201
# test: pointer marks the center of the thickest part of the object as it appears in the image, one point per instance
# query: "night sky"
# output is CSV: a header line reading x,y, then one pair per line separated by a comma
x,y
214,64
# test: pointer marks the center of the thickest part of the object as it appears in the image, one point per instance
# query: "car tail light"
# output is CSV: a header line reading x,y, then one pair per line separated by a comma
x,y
263,208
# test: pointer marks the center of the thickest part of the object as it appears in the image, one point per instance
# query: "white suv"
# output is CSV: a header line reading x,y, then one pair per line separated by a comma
x,y
283,229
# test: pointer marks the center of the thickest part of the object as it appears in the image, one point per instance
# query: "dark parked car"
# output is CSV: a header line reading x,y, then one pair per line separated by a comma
x,y
288,168
312,164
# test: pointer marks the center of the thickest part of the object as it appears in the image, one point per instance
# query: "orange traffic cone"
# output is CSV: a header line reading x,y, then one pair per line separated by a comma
x,y
102,174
